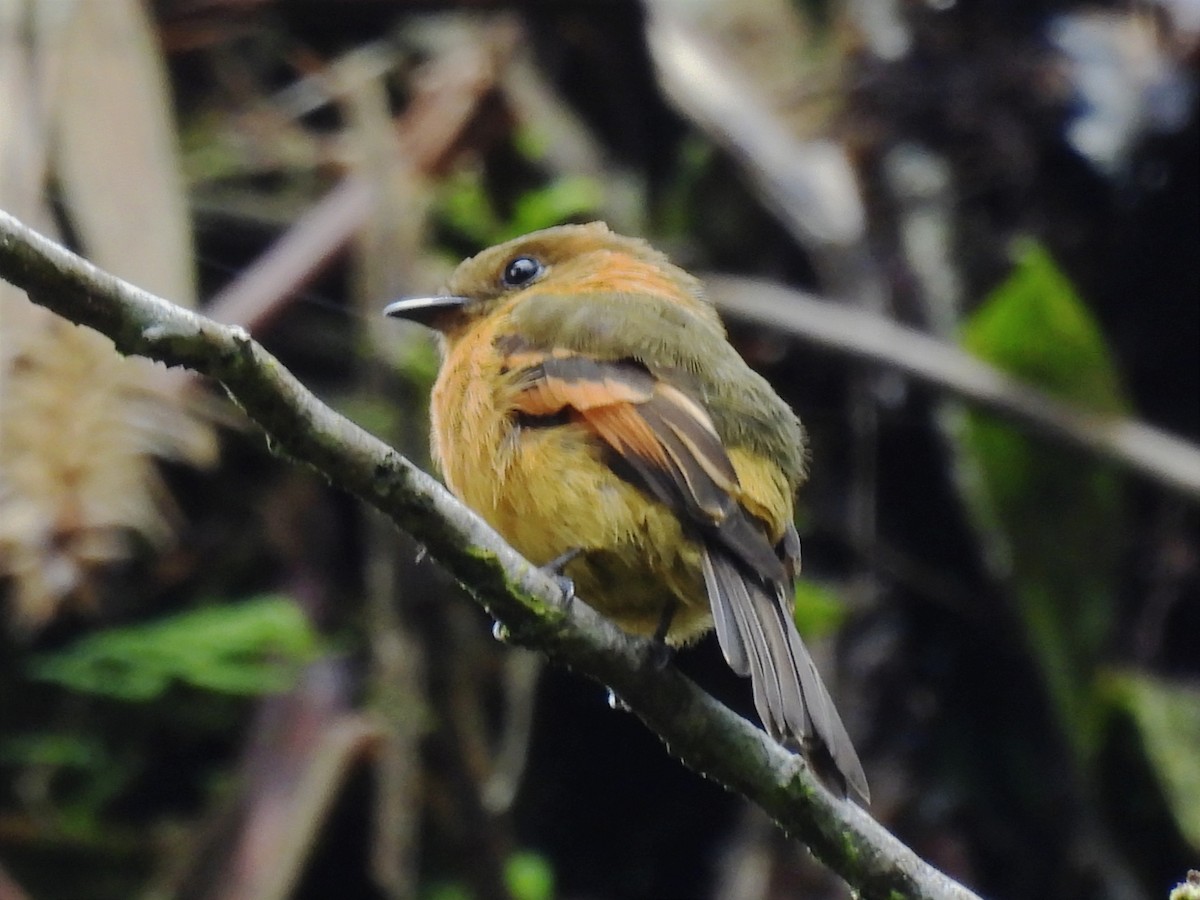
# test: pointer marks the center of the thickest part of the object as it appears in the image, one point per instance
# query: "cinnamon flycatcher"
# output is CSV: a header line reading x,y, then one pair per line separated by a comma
x,y
589,403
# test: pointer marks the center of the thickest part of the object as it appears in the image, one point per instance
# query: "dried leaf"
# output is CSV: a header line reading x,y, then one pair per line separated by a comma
x,y
79,425
115,152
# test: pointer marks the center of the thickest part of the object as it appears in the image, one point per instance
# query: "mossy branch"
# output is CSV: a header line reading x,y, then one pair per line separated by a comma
x,y
702,733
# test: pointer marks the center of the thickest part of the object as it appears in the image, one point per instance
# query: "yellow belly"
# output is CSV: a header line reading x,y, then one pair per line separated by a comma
x,y
556,494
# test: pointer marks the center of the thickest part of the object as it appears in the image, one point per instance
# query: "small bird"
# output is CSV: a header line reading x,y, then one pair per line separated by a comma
x,y
590,408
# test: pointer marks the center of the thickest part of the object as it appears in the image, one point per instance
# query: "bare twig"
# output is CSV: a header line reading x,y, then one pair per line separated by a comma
x,y
704,734
259,293
9,889
341,747
1154,454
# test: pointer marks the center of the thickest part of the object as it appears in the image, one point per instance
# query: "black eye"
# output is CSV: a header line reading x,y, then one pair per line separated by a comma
x,y
521,270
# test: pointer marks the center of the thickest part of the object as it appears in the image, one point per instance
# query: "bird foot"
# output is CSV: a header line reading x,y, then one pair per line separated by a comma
x,y
661,653
567,586
554,569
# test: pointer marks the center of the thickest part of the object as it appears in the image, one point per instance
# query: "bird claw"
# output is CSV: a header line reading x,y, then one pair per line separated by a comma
x,y
554,569
567,586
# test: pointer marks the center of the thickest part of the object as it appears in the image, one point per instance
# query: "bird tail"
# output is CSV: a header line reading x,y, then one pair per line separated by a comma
x,y
758,637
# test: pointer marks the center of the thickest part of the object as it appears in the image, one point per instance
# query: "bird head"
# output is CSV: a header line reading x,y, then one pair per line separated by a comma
x,y
578,261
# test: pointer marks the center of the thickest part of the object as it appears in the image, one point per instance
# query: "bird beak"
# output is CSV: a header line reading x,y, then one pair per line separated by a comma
x,y
424,310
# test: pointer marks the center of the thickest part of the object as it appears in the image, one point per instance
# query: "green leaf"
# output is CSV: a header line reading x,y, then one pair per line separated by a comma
x,y
559,201
252,647
465,207
1051,519
529,876
818,610
1035,326
1167,716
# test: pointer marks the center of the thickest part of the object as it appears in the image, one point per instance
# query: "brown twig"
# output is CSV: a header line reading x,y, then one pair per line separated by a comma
x,y
1160,457
9,889
257,296
450,97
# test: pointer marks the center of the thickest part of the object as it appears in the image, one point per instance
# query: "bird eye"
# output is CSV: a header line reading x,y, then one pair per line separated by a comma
x,y
521,270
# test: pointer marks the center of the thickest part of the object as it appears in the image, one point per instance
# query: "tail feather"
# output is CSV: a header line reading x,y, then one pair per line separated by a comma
x,y
759,638
729,633
764,676
778,691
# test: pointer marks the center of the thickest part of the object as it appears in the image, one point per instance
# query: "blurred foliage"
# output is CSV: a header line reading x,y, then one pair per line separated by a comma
x,y
1052,520
70,751
253,647
76,777
1167,717
527,875
465,207
1036,326
819,611
675,212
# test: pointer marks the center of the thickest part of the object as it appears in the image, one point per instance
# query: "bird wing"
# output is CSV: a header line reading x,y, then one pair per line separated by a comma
x,y
669,443
664,436
679,345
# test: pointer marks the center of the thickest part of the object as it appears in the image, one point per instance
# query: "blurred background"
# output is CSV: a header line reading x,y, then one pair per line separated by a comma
x,y
221,678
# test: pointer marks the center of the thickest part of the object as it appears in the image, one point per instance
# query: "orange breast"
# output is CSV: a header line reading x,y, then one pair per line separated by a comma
x,y
549,489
